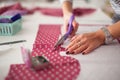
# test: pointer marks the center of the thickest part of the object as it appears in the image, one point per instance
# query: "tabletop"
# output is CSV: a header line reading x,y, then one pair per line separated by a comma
x,y
101,64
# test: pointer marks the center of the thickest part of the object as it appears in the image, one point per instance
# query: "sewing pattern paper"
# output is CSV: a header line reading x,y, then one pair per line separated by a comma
x,y
60,68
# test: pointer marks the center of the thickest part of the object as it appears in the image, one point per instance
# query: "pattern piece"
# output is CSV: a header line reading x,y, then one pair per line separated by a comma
x,y
48,34
58,72
44,45
60,68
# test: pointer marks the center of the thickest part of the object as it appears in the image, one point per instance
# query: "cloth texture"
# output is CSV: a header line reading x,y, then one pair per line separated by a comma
x,y
18,8
60,68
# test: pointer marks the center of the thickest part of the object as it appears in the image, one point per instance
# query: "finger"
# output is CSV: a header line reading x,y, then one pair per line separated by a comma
x,y
80,49
77,38
75,28
73,42
74,47
73,38
87,50
71,35
75,25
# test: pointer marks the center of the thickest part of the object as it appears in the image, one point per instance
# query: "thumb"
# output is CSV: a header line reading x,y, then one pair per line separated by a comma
x,y
75,24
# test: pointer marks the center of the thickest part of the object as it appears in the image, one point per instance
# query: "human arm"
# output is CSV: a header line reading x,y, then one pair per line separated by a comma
x,y
87,42
67,12
115,30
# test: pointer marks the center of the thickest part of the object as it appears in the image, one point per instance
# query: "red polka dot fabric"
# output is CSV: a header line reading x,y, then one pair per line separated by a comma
x,y
60,68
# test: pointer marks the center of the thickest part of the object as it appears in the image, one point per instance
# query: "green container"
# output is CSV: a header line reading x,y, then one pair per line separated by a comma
x,y
9,29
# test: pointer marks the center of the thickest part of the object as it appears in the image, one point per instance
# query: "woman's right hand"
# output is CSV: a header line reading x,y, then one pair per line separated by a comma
x,y
74,23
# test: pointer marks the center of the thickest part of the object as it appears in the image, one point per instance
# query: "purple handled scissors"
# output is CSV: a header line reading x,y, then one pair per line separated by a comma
x,y
65,36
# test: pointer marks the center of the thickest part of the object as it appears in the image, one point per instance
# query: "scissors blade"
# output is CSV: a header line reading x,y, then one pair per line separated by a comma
x,y
60,41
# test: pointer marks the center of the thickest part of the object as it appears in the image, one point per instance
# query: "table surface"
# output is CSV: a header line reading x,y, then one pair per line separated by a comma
x,y
101,64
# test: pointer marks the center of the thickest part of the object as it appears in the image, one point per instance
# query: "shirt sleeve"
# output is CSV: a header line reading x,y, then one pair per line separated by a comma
x,y
61,1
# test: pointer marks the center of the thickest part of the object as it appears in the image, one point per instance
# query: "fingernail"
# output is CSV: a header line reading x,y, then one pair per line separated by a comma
x,y
67,52
83,53
72,52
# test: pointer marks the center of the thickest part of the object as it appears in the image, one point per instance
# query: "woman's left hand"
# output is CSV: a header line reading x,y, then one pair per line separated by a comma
x,y
85,43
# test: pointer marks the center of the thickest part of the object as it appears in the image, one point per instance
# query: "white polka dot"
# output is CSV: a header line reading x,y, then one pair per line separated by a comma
x,y
49,78
29,74
40,78
65,78
72,72
65,72
68,76
16,77
52,75
57,79
24,78
44,75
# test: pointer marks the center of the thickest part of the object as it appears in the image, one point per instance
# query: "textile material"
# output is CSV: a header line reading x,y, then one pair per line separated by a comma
x,y
60,68
18,8
14,8
116,6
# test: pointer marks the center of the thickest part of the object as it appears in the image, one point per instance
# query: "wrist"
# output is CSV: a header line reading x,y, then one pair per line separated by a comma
x,y
67,9
100,36
67,15
108,37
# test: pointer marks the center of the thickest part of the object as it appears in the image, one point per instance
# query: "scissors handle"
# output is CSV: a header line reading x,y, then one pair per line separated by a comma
x,y
70,26
64,37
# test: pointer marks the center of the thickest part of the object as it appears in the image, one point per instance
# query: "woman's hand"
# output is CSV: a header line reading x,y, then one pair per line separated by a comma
x,y
85,43
67,13
74,23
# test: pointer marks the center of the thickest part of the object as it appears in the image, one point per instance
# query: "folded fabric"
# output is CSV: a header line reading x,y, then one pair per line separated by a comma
x,y
60,68
13,12
18,8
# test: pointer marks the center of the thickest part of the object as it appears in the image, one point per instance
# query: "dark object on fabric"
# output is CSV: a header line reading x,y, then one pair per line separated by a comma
x,y
116,18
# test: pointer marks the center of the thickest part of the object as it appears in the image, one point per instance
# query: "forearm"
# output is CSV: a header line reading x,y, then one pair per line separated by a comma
x,y
115,30
67,8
